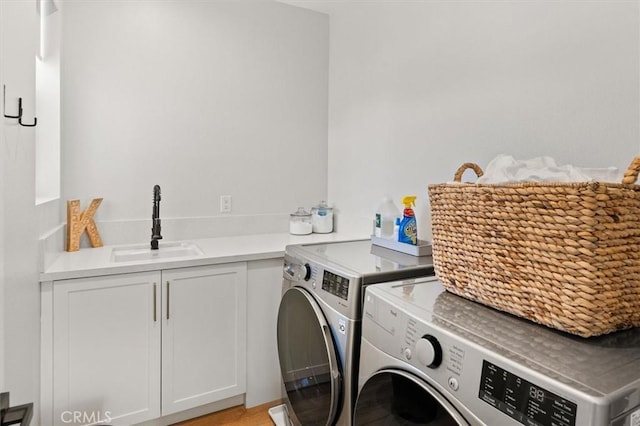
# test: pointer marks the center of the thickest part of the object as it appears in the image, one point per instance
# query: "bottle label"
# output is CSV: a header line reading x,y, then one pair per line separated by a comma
x,y
378,220
409,232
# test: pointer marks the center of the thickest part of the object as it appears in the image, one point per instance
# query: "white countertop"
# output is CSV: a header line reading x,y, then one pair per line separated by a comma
x,y
91,262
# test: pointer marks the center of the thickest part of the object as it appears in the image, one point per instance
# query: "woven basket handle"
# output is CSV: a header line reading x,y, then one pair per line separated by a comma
x,y
631,175
458,176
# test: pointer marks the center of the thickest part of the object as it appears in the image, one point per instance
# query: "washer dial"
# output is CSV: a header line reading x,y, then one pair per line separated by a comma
x,y
429,351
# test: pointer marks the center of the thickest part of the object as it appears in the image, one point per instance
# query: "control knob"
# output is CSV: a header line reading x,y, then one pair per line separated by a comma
x,y
306,271
429,351
297,272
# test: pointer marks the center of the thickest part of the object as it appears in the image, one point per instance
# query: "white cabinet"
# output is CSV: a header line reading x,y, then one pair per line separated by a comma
x,y
106,349
133,347
204,335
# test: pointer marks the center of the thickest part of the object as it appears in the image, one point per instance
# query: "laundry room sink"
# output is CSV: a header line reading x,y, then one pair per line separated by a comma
x,y
166,251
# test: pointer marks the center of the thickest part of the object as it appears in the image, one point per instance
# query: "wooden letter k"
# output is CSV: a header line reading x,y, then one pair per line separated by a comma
x,y
78,222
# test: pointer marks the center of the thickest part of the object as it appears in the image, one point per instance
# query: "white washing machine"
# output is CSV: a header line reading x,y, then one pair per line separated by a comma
x,y
429,357
319,323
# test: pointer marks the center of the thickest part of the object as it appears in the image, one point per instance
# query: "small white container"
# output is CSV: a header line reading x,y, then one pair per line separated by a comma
x,y
322,218
300,222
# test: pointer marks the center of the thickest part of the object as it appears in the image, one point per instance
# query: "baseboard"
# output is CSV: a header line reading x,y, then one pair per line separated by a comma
x,y
196,412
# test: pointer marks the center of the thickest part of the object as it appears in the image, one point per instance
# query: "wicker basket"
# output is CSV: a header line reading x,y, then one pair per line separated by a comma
x,y
566,255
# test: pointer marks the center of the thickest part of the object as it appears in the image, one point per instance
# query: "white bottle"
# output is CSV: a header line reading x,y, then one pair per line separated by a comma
x,y
385,219
396,229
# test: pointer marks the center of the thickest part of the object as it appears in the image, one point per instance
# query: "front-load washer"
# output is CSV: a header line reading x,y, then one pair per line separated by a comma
x,y
319,322
430,357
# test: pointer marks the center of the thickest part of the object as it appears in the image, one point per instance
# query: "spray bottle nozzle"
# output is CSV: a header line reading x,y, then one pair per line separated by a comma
x,y
409,200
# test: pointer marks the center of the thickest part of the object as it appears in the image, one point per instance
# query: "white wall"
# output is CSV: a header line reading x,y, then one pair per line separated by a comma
x,y
204,98
20,325
419,88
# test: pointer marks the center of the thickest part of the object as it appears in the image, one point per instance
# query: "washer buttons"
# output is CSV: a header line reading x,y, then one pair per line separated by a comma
x,y
453,383
407,353
313,284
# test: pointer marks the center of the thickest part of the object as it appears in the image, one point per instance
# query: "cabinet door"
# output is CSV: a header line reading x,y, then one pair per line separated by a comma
x,y
204,335
106,353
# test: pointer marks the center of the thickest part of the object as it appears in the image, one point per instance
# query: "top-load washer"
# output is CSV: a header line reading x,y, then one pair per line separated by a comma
x,y
433,358
319,321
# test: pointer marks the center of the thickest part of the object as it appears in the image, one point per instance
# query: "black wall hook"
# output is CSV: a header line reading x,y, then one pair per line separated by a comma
x,y
4,91
35,119
19,116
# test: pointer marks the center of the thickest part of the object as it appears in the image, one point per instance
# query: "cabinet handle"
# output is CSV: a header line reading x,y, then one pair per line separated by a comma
x,y
168,293
155,304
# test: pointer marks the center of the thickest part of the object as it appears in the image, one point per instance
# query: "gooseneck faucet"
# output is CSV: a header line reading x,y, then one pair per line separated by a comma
x,y
155,218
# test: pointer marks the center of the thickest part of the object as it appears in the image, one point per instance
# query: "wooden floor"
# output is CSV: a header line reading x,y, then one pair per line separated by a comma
x,y
235,416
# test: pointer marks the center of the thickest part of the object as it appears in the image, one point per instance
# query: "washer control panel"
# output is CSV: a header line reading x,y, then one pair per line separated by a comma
x,y
522,400
335,284
410,340
338,289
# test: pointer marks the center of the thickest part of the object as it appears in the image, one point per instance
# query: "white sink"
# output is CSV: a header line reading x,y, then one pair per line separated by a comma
x,y
165,251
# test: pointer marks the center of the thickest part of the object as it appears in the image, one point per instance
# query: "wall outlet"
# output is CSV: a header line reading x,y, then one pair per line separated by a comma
x,y
225,204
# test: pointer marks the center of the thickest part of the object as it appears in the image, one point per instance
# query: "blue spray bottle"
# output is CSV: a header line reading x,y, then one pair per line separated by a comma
x,y
408,232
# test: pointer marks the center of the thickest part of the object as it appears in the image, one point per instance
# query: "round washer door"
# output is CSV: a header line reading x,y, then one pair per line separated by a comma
x,y
395,397
308,361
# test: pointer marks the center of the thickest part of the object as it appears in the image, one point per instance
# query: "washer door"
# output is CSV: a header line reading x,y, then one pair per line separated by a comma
x,y
394,397
308,361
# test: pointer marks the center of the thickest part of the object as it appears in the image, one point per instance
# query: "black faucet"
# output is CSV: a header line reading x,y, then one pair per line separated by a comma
x,y
155,218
